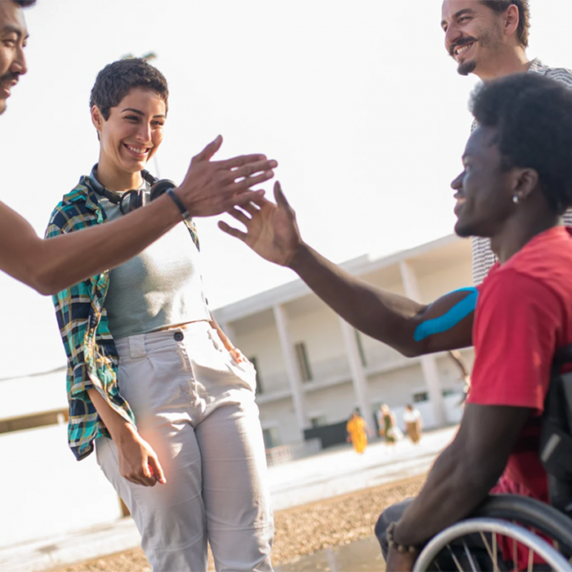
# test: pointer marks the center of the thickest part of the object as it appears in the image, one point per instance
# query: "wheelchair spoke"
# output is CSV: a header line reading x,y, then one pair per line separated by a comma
x,y
455,559
470,557
530,560
514,555
486,543
495,552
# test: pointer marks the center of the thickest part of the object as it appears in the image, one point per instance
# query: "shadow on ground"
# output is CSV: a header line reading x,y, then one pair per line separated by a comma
x,y
361,556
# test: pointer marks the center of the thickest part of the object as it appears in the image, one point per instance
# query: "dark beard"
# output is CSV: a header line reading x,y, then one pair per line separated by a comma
x,y
467,68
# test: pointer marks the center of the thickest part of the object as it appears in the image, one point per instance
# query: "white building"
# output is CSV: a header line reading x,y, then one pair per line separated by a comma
x,y
313,370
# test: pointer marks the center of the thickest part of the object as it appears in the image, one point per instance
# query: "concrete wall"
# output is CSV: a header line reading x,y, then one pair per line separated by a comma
x,y
264,345
280,415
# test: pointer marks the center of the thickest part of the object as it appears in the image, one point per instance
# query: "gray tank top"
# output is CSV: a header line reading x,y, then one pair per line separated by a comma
x,y
161,287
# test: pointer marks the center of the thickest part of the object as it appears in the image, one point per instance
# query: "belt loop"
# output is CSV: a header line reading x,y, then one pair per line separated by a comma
x,y
137,346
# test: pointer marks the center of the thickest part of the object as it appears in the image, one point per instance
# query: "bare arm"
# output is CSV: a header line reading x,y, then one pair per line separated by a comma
x,y
138,462
51,265
383,315
272,232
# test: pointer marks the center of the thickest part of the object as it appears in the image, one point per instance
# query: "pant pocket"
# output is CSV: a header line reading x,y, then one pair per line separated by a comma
x,y
244,370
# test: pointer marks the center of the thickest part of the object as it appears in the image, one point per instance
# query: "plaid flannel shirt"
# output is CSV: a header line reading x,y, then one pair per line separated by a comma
x,y
82,319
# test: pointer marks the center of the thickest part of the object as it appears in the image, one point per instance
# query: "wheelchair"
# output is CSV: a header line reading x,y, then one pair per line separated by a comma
x,y
528,530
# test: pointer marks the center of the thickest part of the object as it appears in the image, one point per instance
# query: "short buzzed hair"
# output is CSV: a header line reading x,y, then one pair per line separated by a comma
x,y
117,79
25,3
523,6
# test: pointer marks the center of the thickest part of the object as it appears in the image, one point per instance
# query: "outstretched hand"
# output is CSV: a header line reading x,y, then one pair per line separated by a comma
x,y
271,229
213,187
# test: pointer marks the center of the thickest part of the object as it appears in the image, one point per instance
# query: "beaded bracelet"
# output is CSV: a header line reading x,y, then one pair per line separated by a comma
x,y
184,212
412,549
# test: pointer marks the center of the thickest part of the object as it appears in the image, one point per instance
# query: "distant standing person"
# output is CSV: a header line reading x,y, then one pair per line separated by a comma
x,y
413,423
387,425
357,431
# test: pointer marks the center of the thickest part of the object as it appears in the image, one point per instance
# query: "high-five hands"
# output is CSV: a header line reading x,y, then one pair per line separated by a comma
x,y
271,229
213,187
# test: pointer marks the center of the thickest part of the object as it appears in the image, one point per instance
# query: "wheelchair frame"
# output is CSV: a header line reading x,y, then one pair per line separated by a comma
x,y
495,516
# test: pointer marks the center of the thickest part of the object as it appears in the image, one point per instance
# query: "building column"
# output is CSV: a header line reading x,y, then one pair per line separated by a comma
x,y
292,371
358,374
428,362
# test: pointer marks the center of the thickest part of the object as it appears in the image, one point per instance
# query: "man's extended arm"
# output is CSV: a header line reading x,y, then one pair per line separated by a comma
x,y
51,265
462,475
407,326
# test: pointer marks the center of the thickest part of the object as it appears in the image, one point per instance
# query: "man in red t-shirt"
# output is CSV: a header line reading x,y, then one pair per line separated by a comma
x,y
523,315
516,184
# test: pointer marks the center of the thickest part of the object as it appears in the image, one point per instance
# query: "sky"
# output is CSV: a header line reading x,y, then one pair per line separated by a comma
x,y
356,99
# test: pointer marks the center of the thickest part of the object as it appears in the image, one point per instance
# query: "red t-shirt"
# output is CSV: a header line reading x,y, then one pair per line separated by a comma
x,y
523,315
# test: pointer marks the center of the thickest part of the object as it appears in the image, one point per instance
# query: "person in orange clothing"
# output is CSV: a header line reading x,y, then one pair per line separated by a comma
x,y
357,431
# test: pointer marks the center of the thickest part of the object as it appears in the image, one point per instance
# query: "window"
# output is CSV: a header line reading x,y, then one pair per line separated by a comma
x,y
303,361
259,388
360,348
271,437
319,421
420,397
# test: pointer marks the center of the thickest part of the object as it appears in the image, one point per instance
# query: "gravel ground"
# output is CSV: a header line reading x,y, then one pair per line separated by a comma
x,y
299,531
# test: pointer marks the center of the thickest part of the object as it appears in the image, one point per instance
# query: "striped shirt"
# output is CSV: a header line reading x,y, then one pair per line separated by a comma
x,y
483,256
82,319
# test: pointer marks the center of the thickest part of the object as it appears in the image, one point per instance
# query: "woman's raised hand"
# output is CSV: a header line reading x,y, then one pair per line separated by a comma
x,y
271,229
213,187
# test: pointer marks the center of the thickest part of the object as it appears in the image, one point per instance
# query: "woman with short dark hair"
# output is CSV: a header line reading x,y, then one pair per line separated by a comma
x,y
153,382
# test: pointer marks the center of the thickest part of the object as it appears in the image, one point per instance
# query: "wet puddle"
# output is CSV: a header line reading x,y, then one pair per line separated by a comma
x,y
362,556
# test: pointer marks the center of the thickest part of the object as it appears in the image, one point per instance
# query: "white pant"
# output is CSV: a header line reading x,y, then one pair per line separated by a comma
x,y
195,406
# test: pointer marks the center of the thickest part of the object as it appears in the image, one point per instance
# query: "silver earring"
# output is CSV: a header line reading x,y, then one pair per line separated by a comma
x,y
515,199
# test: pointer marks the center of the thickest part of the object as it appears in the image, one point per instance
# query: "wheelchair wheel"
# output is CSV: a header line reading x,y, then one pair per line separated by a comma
x,y
532,513
452,550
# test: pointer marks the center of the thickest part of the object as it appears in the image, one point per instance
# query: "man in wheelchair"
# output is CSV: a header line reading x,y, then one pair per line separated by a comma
x,y
516,183
514,188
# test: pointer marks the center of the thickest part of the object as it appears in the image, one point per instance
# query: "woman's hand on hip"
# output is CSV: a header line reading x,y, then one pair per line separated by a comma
x,y
138,463
237,355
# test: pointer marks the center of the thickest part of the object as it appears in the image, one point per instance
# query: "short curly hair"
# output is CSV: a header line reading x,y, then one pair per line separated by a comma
x,y
523,6
25,3
117,79
533,118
